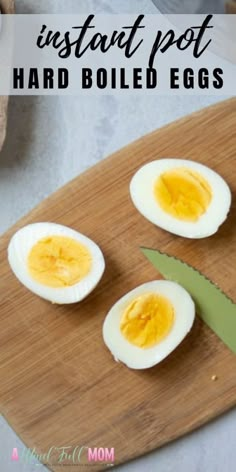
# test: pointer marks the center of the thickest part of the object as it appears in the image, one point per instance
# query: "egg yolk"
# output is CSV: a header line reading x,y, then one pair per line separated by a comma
x,y
147,320
183,193
59,261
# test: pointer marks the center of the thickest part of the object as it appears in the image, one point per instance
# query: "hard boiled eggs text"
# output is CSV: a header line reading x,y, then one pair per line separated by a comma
x,y
148,323
181,196
55,262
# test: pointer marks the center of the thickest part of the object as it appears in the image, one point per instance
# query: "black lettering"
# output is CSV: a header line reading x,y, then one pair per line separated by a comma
x,y
188,78
53,38
63,78
40,38
203,78
128,50
123,84
118,38
219,82
48,76
64,44
174,77
205,25
18,78
87,80
151,78
137,78
184,37
170,35
113,78
65,52
33,79
99,40
163,43
101,78
79,42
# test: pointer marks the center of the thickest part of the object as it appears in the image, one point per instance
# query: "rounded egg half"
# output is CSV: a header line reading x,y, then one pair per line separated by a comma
x,y
181,196
55,262
159,313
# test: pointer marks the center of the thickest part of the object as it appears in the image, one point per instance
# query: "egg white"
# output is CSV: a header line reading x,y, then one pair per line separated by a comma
x,y
21,245
139,358
142,195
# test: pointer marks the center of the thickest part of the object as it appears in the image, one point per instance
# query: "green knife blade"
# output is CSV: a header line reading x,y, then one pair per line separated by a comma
x,y
212,305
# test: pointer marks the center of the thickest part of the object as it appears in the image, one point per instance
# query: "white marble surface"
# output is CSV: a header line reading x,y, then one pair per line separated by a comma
x,y
51,140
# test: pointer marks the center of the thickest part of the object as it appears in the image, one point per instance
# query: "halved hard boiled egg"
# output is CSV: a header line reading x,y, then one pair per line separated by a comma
x,y
55,262
148,323
181,196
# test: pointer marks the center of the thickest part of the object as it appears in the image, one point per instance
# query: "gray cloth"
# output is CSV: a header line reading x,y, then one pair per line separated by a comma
x,y
190,6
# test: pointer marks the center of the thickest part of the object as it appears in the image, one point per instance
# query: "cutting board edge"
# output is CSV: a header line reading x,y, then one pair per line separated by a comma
x,y
218,411
188,430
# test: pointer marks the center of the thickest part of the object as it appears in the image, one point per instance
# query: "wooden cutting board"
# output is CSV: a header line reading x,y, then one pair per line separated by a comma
x,y
59,384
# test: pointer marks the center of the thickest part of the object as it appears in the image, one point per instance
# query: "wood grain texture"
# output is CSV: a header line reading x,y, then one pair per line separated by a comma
x,y
6,6
59,384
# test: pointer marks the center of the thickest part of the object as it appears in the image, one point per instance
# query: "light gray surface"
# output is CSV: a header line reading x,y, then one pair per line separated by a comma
x,y
51,140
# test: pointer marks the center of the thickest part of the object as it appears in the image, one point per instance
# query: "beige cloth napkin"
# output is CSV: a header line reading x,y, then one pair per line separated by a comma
x,y
6,6
231,7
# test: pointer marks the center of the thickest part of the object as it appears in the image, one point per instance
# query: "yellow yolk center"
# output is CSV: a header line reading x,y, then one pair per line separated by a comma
x,y
147,320
183,193
59,261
